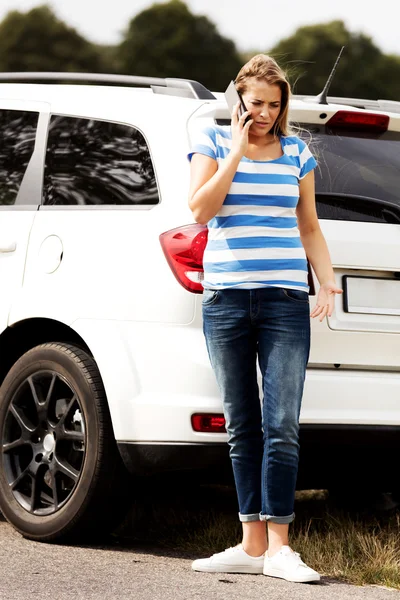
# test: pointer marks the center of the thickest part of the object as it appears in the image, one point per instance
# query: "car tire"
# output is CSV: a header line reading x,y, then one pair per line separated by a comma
x,y
60,469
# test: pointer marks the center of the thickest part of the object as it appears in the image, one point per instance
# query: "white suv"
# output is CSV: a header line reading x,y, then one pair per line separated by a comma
x,y
102,350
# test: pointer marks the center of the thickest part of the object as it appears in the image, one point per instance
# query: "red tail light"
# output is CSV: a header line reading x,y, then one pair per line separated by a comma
x,y
360,121
208,423
184,248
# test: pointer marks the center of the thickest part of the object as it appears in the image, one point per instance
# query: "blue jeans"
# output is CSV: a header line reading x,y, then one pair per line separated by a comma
x,y
272,324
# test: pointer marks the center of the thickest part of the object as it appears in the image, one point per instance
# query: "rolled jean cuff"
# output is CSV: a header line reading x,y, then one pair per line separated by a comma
x,y
279,520
249,518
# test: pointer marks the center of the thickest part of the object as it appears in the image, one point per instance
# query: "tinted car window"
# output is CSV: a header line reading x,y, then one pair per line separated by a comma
x,y
358,174
17,142
91,162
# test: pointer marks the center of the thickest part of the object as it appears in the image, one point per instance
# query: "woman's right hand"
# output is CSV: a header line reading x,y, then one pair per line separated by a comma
x,y
240,131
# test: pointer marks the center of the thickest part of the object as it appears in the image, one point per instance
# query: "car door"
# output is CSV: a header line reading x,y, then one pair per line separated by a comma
x,y
94,251
21,159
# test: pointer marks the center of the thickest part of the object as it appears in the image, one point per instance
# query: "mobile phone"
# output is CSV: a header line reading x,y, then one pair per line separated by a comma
x,y
232,97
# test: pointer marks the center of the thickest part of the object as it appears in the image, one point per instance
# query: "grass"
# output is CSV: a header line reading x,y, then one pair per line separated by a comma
x,y
359,546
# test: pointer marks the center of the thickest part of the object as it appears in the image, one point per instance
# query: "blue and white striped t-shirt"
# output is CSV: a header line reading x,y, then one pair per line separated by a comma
x,y
254,241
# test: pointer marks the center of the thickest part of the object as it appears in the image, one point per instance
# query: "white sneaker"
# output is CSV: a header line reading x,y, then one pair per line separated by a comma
x,y
232,560
288,565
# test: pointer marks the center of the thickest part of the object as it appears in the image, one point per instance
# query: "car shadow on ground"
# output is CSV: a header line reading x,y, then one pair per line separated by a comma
x,y
183,517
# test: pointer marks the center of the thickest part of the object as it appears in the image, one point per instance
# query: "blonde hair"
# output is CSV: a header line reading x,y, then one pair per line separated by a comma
x,y
265,67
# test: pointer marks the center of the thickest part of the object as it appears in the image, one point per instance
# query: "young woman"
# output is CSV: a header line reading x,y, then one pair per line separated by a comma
x,y
253,185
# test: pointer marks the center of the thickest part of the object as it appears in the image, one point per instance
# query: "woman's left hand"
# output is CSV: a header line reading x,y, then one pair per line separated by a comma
x,y
325,300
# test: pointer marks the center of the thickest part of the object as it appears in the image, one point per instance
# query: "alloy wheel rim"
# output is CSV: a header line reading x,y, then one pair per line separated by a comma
x,y
43,442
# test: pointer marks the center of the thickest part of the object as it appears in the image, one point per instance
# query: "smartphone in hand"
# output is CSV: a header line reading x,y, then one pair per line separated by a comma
x,y
232,97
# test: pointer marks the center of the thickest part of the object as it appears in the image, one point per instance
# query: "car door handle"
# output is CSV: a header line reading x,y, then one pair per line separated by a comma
x,y
8,247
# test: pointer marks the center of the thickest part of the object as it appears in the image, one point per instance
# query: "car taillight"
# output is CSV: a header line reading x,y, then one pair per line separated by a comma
x,y
360,121
208,423
184,248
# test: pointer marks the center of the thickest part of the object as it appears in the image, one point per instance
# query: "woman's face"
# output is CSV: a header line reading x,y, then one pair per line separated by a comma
x,y
264,102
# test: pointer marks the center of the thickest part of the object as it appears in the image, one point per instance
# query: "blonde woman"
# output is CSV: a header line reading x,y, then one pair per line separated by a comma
x,y
253,185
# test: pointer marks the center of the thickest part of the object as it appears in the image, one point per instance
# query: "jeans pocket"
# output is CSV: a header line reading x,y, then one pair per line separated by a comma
x,y
296,295
209,297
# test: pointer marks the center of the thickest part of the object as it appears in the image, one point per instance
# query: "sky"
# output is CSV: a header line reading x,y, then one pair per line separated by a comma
x,y
251,24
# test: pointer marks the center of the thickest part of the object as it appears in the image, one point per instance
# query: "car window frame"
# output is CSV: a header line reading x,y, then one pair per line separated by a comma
x,y
30,191
307,134
106,207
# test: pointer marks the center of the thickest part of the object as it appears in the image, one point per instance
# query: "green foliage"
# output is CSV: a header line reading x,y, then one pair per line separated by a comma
x,y
364,71
38,41
167,40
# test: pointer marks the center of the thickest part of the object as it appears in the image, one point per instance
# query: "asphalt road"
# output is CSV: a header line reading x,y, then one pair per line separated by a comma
x,y
47,571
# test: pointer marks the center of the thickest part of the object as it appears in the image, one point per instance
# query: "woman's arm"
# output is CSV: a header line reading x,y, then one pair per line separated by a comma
x,y
316,247
209,184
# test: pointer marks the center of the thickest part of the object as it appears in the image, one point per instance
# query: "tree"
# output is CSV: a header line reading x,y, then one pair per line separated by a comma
x,y
310,54
39,41
167,40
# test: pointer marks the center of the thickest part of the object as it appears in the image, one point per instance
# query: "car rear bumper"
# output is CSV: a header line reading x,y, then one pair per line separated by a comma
x,y
146,459
329,455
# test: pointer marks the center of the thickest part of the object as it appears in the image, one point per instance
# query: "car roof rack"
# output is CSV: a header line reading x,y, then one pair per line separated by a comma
x,y
380,105
186,88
